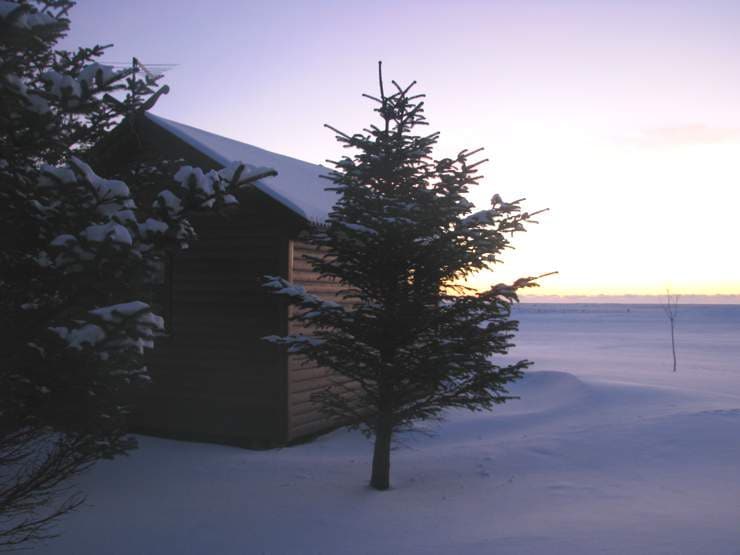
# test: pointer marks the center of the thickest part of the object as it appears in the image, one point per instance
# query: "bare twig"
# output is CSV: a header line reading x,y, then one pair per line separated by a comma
x,y
671,310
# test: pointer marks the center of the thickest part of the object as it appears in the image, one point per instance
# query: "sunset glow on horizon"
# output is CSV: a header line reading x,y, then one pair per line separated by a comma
x,y
623,119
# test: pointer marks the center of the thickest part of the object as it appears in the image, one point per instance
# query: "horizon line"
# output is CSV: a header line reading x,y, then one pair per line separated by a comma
x,y
633,298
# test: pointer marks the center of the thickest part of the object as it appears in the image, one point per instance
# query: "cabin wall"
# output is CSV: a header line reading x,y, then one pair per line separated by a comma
x,y
214,378
306,378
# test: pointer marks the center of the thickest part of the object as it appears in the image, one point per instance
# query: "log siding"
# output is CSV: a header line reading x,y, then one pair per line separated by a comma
x,y
305,378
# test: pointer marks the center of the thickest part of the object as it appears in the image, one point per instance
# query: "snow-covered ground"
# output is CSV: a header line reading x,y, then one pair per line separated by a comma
x,y
607,451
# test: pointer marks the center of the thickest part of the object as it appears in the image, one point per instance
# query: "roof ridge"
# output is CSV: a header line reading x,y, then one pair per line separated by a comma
x,y
155,117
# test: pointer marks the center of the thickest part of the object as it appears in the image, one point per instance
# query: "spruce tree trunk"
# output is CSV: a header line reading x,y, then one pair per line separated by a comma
x,y
380,478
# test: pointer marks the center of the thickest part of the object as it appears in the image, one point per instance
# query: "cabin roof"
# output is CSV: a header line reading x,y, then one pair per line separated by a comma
x,y
297,185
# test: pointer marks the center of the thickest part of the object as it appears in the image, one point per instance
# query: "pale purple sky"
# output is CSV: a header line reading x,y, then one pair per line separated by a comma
x,y
622,117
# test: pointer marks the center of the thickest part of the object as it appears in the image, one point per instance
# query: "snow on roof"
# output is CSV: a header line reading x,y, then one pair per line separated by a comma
x,y
297,185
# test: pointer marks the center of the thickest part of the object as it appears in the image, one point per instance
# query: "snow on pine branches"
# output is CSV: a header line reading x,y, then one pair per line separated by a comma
x,y
401,241
86,241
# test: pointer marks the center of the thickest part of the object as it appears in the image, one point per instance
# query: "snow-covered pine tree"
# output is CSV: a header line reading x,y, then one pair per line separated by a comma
x,y
412,338
78,253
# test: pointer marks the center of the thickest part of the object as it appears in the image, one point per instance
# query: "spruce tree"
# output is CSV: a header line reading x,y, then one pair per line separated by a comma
x,y
79,254
408,333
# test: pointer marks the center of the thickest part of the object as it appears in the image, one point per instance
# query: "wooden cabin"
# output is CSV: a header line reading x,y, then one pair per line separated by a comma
x,y
213,377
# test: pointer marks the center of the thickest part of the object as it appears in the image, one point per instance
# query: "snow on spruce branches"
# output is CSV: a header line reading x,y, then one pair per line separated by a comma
x,y
406,338
92,223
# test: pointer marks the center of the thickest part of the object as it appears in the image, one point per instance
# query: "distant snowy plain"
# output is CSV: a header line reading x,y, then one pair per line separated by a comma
x,y
607,451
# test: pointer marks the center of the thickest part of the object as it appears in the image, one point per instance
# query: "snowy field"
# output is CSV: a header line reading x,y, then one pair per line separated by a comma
x,y
607,451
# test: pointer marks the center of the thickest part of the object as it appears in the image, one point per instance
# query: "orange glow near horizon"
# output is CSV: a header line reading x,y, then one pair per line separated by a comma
x,y
627,217
547,288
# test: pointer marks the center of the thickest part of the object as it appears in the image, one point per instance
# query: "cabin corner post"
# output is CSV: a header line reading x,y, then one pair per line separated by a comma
x,y
286,271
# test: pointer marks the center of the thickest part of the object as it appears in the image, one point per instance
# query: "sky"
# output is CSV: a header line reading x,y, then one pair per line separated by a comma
x,y
622,117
